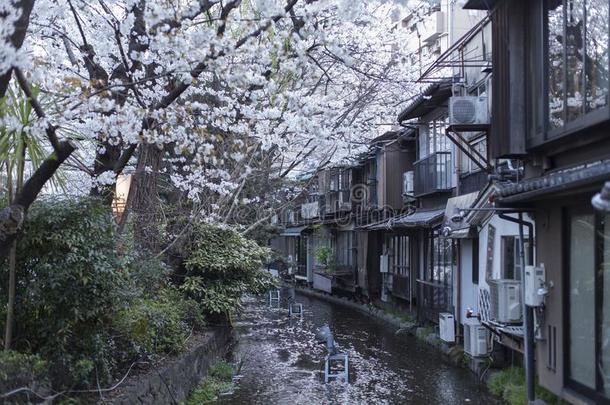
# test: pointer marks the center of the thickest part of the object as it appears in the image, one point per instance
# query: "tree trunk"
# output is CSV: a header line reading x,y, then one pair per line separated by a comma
x,y
17,37
12,259
144,199
10,311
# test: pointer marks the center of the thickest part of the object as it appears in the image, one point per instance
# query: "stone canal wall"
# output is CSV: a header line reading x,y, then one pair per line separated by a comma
x,y
173,381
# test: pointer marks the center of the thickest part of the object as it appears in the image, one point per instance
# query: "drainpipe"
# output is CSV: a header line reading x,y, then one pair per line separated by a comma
x,y
528,312
459,287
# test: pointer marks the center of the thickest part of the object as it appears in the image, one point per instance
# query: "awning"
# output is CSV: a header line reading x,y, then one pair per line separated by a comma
x,y
461,229
386,224
293,231
420,218
478,218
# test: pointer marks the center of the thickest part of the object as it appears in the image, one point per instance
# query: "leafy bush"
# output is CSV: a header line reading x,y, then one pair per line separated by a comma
x,y
509,384
222,370
222,266
219,380
69,283
158,325
21,370
85,303
323,254
148,274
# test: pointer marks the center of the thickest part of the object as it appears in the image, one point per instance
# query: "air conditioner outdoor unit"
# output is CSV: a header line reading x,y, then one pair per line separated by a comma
x,y
464,110
476,337
384,263
446,325
505,300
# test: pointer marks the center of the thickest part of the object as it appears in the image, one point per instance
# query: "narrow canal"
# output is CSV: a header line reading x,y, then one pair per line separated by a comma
x,y
282,364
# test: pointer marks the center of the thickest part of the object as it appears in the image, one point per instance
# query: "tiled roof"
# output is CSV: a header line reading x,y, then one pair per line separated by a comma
x,y
556,181
423,218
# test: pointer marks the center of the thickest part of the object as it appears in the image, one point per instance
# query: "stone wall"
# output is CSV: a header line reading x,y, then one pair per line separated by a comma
x,y
172,383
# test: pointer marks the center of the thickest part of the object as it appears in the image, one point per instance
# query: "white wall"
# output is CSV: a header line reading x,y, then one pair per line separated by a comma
x,y
503,228
469,292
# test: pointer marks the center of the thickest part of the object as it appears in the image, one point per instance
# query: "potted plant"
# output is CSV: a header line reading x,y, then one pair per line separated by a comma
x,y
324,257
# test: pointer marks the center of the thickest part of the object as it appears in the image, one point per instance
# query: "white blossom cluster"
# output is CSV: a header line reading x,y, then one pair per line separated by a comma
x,y
304,81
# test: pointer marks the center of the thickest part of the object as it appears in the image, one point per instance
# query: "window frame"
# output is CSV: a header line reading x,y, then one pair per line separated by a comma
x,y
431,136
597,394
587,119
516,255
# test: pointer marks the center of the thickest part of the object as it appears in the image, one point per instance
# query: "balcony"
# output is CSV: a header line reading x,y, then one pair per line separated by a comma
x,y
433,174
310,210
432,27
338,201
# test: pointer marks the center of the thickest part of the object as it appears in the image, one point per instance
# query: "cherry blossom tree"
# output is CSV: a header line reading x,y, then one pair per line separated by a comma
x,y
206,93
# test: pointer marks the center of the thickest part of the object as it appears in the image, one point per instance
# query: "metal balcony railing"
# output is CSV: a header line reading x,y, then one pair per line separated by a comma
x,y
433,174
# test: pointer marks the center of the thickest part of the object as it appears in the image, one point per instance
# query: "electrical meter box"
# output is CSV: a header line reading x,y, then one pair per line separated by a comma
x,y
535,279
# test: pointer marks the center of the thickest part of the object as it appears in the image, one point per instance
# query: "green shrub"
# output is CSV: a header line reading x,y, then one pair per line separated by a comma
x,y
219,380
509,384
322,254
85,303
158,324
222,371
21,370
222,267
148,274
70,281
498,383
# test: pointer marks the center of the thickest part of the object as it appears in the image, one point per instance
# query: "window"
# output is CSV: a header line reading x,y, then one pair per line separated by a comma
x,y
511,257
577,66
400,259
588,304
433,139
480,146
344,248
441,259
372,181
437,281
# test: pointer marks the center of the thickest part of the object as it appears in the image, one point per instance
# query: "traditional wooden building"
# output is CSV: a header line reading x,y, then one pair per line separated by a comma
x,y
551,115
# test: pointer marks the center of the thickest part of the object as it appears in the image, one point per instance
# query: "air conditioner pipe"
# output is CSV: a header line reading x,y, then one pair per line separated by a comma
x,y
528,313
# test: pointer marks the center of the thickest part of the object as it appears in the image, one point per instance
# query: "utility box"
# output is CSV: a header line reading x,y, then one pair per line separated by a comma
x,y
446,326
476,338
384,263
535,281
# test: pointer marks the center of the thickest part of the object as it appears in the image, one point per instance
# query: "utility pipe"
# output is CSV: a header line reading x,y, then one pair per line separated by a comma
x,y
528,313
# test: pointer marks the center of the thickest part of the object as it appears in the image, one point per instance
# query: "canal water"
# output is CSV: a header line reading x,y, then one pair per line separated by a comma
x,y
282,364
